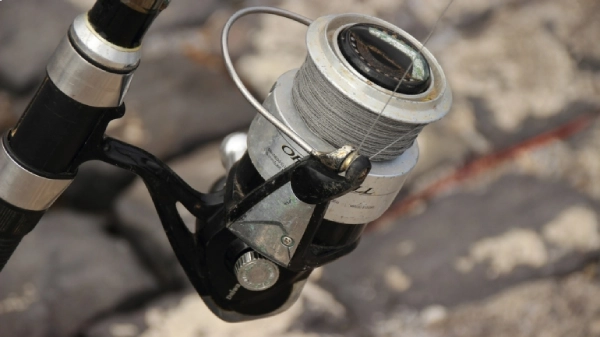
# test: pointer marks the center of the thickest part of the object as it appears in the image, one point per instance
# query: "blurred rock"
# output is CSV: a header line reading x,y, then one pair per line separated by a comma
x,y
96,187
548,307
64,274
187,316
175,102
185,13
7,117
138,221
30,30
562,307
584,169
517,77
468,246
178,13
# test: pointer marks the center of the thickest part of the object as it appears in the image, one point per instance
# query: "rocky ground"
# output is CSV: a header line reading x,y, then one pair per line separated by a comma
x,y
495,234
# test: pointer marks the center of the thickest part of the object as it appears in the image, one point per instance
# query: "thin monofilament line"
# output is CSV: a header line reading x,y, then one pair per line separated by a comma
x,y
400,82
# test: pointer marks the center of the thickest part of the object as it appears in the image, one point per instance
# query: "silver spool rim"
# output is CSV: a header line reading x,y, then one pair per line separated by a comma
x,y
323,51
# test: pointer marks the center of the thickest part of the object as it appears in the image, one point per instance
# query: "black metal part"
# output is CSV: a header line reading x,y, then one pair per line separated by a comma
x,y
15,223
221,287
329,233
121,23
314,183
384,56
51,131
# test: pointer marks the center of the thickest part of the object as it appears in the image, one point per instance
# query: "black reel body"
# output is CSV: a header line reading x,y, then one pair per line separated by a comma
x,y
245,226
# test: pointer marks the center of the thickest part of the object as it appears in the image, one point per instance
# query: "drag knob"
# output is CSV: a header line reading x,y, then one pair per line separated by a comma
x,y
255,273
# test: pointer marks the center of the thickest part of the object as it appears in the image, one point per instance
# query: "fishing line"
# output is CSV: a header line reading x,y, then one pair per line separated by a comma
x,y
332,116
401,138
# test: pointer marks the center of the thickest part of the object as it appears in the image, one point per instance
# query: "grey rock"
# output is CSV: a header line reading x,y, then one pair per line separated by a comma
x,y
29,32
509,71
467,246
563,307
185,13
547,307
96,187
65,273
7,117
185,315
137,218
174,102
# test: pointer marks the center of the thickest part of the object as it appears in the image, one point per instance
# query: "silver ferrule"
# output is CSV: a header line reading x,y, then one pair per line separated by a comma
x,y
24,189
101,82
96,48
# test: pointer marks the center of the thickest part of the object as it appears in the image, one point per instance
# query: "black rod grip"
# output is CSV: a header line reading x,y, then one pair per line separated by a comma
x,y
15,223
52,131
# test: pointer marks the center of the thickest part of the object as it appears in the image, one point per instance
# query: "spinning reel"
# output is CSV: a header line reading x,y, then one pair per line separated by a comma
x,y
301,185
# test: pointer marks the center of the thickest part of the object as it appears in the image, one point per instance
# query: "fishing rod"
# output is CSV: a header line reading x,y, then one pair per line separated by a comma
x,y
328,152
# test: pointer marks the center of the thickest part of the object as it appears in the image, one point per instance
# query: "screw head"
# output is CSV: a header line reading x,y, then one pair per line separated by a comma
x,y
287,241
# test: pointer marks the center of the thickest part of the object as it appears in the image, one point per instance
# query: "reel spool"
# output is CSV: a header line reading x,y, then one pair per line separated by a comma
x,y
347,76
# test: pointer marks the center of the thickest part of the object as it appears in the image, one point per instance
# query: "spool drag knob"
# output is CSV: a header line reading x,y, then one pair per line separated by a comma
x,y
383,57
255,273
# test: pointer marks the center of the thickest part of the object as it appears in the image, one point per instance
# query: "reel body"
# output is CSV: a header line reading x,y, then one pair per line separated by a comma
x,y
266,209
298,193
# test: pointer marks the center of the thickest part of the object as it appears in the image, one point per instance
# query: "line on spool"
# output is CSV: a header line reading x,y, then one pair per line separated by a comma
x,y
340,121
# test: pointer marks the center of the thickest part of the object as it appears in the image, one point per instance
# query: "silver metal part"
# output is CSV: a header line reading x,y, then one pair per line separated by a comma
x,y
233,148
323,50
281,214
255,273
24,189
272,151
238,82
85,82
95,47
339,159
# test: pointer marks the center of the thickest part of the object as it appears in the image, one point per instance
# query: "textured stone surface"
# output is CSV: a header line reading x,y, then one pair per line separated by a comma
x,y
564,307
178,13
467,246
523,93
24,52
187,316
64,274
7,117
